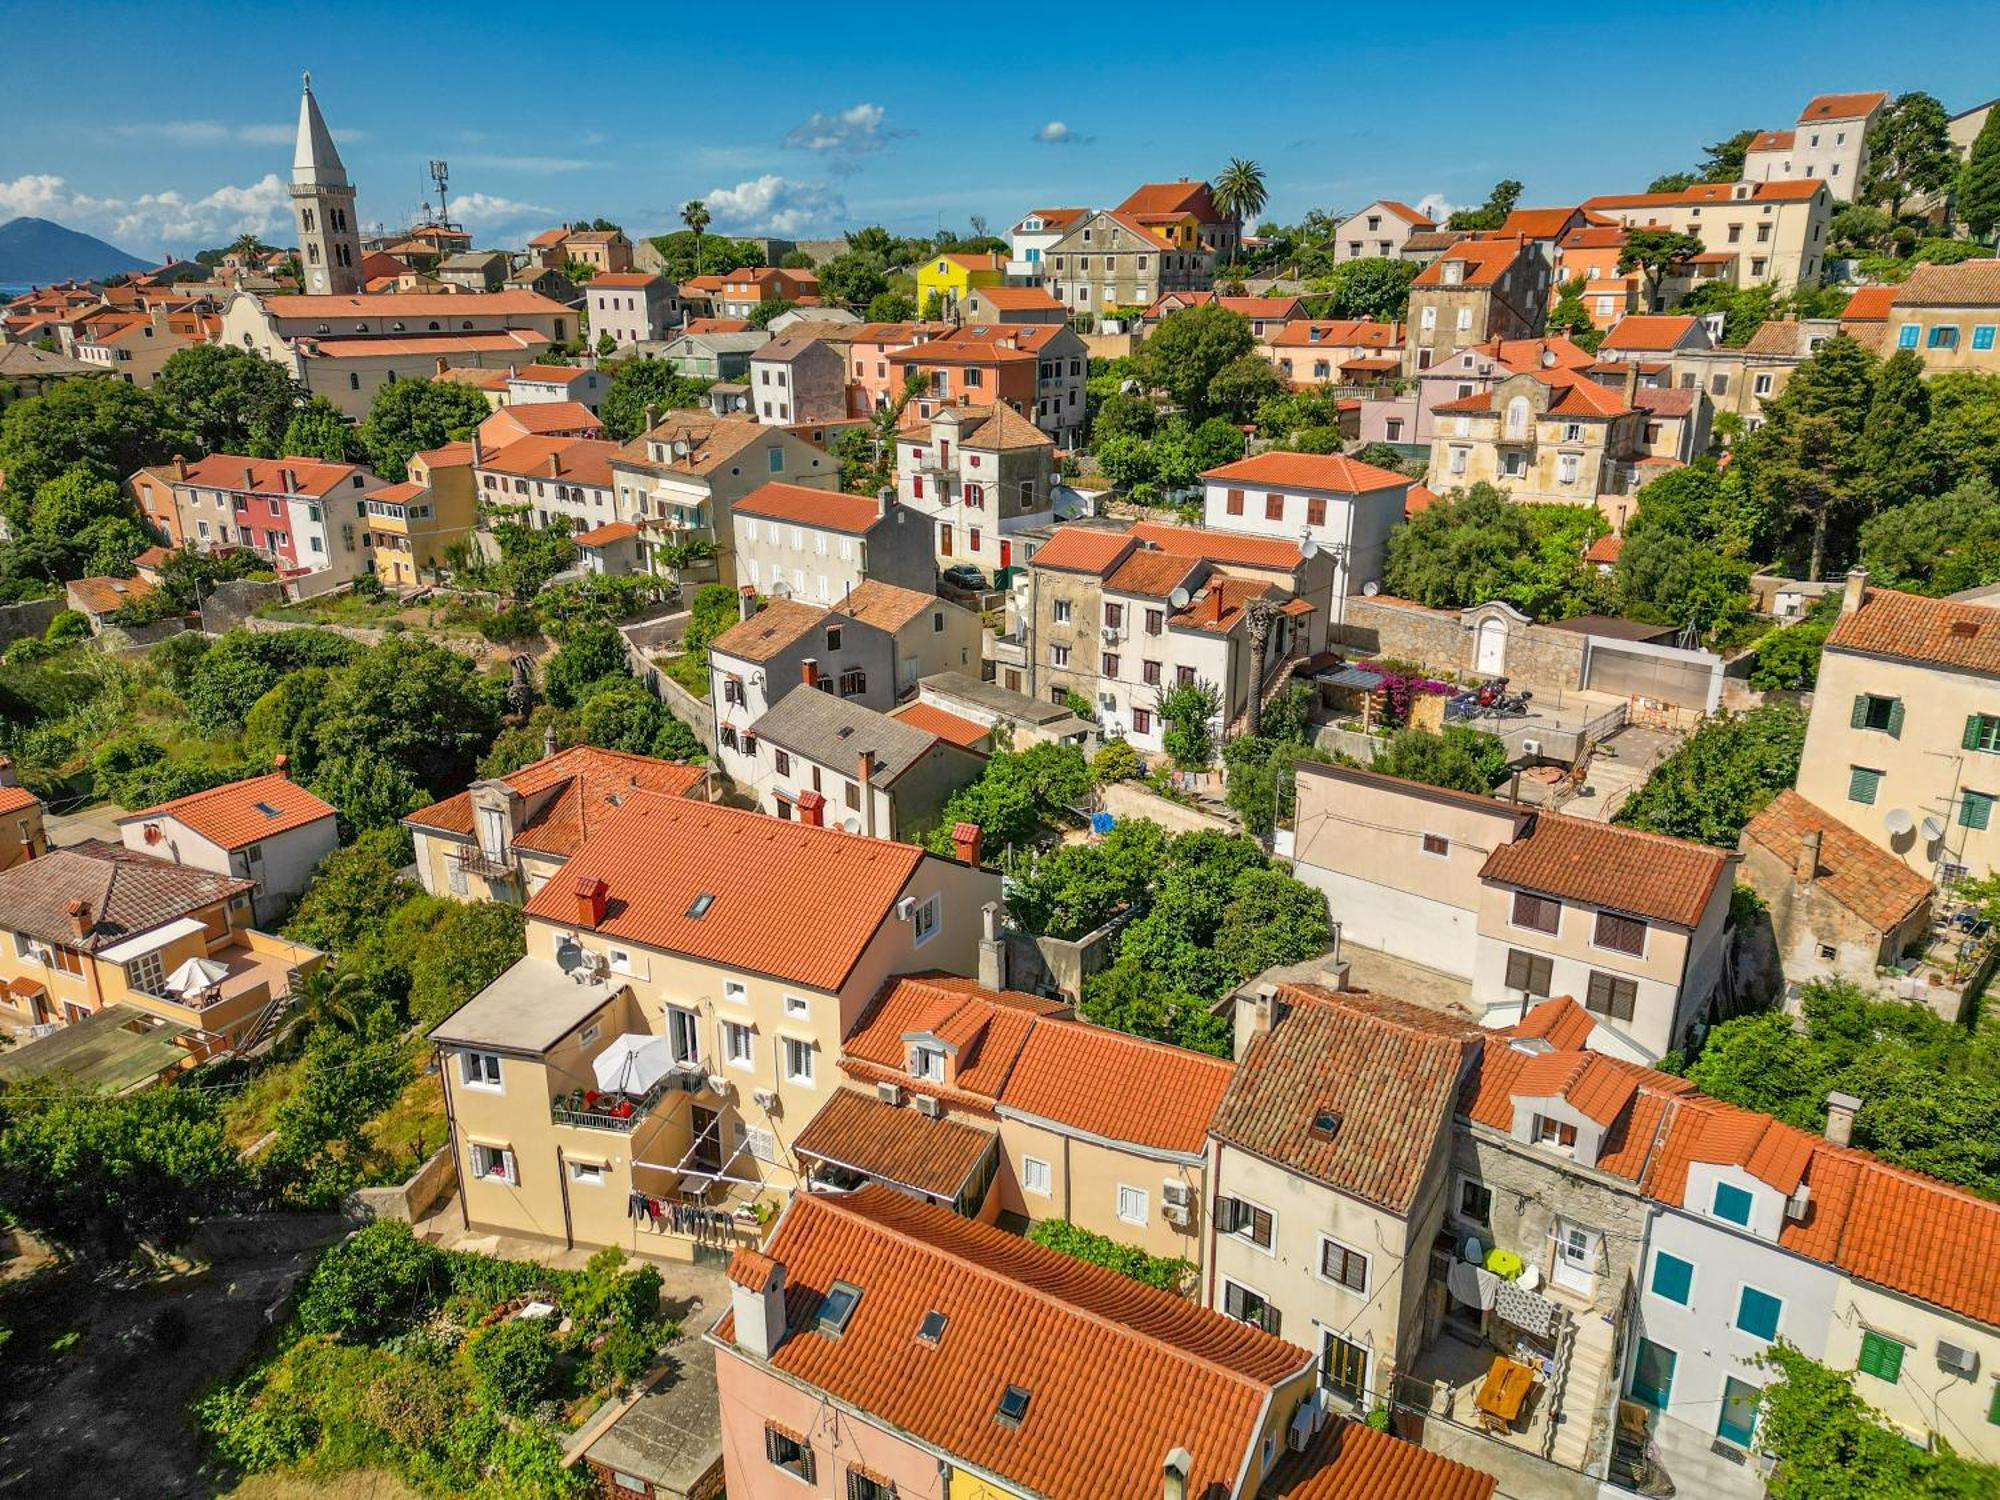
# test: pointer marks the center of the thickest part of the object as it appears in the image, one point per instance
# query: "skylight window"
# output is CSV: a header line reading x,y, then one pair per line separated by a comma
x,y
836,1307
931,1330
1326,1124
701,905
267,810
1013,1407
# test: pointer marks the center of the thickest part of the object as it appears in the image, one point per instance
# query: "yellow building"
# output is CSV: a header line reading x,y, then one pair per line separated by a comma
x,y
951,278
416,522
21,834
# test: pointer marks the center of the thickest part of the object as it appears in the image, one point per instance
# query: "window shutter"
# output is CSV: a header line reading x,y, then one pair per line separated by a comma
x,y
1975,811
1517,969
1896,719
1859,718
770,1445
1624,998
1225,1215
1971,739
1861,784
1597,997
1260,1227
809,1466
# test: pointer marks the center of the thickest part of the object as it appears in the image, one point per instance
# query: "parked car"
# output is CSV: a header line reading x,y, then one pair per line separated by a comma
x,y
965,576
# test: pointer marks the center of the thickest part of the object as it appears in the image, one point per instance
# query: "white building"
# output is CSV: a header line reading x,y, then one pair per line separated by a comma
x,y
1030,240
1340,507
267,829
634,307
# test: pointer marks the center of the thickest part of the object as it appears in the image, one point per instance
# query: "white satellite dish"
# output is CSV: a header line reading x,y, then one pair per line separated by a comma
x,y
1898,821
1371,588
1932,828
1179,598
1308,548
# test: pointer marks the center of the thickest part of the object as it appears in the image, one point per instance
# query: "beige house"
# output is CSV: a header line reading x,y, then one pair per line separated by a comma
x,y
1475,291
1775,230
1829,142
1741,379
1380,229
1329,1158
1548,436
1110,259
977,475
665,941
1904,741
1949,315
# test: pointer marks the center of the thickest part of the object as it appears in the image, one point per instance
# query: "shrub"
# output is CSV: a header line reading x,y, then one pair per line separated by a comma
x,y
1127,1260
70,625
1117,761
514,1361
373,1283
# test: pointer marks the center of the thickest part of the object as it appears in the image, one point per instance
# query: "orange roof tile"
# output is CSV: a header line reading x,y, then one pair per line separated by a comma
x,y
1084,549
823,892
103,596
1537,223
1186,196
884,605
1869,304
1560,1022
574,460
605,535
1119,1087
859,1131
1409,215
1141,1371
827,509
770,630
1771,140
1711,192
1348,1460
1017,298
1483,260
1970,283
626,279
1842,106
1657,332
1362,333
327,307
989,1028
232,471
545,418
1938,632
1862,876
363,346
15,798
1419,498
567,794
243,812
1309,471
967,733
1387,1071
1605,864
1151,574
1606,549
1223,547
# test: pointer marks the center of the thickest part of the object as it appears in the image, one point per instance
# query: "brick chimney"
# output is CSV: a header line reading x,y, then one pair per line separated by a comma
x,y
1256,1014
1840,1112
1806,871
281,765
180,466
812,809
965,838
809,671
1854,591
79,918
992,948
864,773
591,898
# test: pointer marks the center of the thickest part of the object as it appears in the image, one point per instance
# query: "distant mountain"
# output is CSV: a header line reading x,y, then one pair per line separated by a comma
x,y
37,250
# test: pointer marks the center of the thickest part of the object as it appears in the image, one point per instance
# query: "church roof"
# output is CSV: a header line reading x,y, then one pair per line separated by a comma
x,y
315,162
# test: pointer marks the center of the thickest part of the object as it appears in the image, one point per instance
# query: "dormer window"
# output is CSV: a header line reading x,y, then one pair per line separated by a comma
x,y
1732,1204
1550,1131
927,1063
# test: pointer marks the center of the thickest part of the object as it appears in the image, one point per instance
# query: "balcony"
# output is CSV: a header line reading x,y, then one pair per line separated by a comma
x,y
476,861
589,1109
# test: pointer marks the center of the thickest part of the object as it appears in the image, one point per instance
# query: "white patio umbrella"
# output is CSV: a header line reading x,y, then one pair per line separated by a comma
x,y
633,1063
196,975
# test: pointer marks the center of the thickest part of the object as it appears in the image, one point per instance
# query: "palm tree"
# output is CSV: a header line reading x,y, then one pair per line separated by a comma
x,y
322,996
694,214
1239,192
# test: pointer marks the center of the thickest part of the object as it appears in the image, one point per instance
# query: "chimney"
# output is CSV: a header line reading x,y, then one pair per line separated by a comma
x,y
1174,1474
1334,976
180,466
281,765
79,918
652,416
442,366
1631,381
548,741
746,602
555,466
992,948
885,500
1840,1112
249,477
1807,869
1256,1013
809,671
965,843
478,450
757,1301
864,773
812,809
1855,590
289,479
591,896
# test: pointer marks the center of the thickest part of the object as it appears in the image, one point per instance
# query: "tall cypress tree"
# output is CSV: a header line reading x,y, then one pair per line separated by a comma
x,y
1894,467
1979,180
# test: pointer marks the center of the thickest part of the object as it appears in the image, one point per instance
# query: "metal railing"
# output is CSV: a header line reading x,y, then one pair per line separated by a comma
x,y
601,1117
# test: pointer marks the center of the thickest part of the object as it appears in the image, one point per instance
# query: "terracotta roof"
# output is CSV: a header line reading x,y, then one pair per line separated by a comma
x,y
1313,333
1940,632
1560,1022
900,1145
1484,260
1418,499
1603,864
543,418
1002,429
104,596
1866,879
770,630
988,1028
1055,219
828,510
968,734
1406,213
232,471
1141,1371
580,461
824,893
1151,574
605,535
243,812
127,893
1650,331
1776,336
1970,283
1771,140
1180,197
752,1268
1386,1069
1311,471
1348,1460
1084,549
1017,298
623,279
718,325
328,307
713,441
1869,304
567,794
1537,223
1711,192
1223,547
1605,549
366,346
1594,237
15,798
1218,607
884,605
1665,401
1119,1087
1842,106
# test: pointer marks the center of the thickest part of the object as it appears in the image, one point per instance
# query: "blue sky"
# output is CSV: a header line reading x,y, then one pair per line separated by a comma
x,y
171,129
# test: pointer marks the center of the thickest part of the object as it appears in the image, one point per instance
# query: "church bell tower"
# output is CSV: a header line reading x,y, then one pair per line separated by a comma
x,y
323,206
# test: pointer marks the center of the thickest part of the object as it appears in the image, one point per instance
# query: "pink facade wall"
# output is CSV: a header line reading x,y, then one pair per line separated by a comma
x,y
751,1396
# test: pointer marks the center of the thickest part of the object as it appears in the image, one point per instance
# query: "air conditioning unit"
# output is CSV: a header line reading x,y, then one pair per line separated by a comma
x,y
1531,747
906,908
927,1104
1959,1361
1175,1193
1299,1434
1177,1214
718,1085
766,1100
1110,635
889,1093
1799,1202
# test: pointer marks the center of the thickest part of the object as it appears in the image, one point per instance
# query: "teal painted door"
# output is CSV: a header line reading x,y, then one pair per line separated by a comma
x,y
1738,1422
1653,1375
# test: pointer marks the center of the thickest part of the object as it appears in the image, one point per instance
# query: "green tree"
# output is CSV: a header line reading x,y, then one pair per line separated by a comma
x,y
1493,212
515,1360
320,1147
766,313
1076,888
854,279
1123,414
1674,579
105,427
474,944
1188,711
1787,660
78,514
1656,254
530,556
415,416
1240,388
1461,758
594,653
1272,919
694,214
1369,287
354,891
639,383
232,400
318,430
1240,193
1978,202
244,665
1892,452
1721,777
1672,182
1019,798
1189,349
618,713
1723,162
1806,459
1570,319
1937,544
1909,153
892,307
1476,545
374,1283
325,997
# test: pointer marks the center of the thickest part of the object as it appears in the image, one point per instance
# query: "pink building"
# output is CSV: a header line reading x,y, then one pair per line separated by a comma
x,y
871,373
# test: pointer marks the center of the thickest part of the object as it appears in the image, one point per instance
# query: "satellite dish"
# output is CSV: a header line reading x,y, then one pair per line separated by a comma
x,y
1308,548
1932,828
1898,821
569,955
1371,588
1179,598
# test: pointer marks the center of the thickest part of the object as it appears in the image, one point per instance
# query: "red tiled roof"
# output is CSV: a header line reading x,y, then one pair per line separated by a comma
x,y
580,461
1710,192
1842,106
1223,547
605,535
1348,1460
1484,261
1141,1371
1311,471
1389,1071
1970,283
1560,1022
827,509
1537,223
243,812
1863,877
588,783
1940,632
231,471
858,1130
1869,304
1658,332
796,902
928,717
1603,864
328,307
624,279
770,630
15,798
1408,214
1017,298
543,418
103,596
364,346
1084,549
1419,499
885,605
1315,333
1606,549
1151,574
1594,237
1771,140
1172,198
1116,1086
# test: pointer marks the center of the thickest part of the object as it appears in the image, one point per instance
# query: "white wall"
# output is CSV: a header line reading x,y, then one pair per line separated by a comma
x,y
1426,931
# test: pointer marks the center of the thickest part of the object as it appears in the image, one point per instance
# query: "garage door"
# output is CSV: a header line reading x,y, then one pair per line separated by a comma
x,y
1683,682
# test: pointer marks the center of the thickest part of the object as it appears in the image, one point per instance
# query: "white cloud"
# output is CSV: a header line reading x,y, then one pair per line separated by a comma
x,y
1437,208
773,205
1056,133
853,132
154,222
490,212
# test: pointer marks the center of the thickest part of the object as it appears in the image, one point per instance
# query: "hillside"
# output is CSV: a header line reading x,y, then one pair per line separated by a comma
x,y
38,250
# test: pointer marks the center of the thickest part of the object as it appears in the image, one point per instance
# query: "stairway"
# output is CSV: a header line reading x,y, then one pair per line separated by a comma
x,y
1280,675
1587,1384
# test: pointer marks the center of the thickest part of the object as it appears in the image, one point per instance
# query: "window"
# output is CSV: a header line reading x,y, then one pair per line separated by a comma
x,y
1238,1217
1149,672
1757,1313
479,1070
781,762
1114,616
1567,467
853,682
1343,1368
790,1453
1611,995
1035,1177
1673,1278
1536,913
1731,1203
798,1060
1553,1132
1348,1268
1475,1201
1142,721
1059,611
495,1163
145,973
1761,386
1982,336
1862,784
1533,972
1982,732
1881,1356
1620,934
924,923
1315,512
927,1063
862,1486
1738,1421
1234,503
1274,507
1132,1204
1058,656
776,458
735,991
1183,675
1109,664
1907,335
798,1008
738,1044
1437,845
1873,711
1246,1306
1942,336
684,1035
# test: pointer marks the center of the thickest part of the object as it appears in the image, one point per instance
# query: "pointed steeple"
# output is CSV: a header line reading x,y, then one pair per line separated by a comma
x,y
315,162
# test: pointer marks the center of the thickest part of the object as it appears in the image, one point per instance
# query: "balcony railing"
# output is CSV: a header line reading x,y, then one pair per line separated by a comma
x,y
619,1112
476,861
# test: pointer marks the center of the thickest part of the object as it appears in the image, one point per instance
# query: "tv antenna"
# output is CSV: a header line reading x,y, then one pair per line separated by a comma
x,y
441,180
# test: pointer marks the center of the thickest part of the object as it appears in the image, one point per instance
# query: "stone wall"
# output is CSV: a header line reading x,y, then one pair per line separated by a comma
x,y
31,618
112,636
1129,799
232,604
1447,641
409,1200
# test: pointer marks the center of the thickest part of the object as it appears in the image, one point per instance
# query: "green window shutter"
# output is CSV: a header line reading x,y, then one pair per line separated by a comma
x,y
1971,740
1896,719
1881,1357
1859,718
1673,1278
1861,784
1975,810
1993,1406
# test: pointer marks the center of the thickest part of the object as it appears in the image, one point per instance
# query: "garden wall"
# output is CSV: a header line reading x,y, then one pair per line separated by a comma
x,y
409,1200
1447,640
18,621
1130,799
231,604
